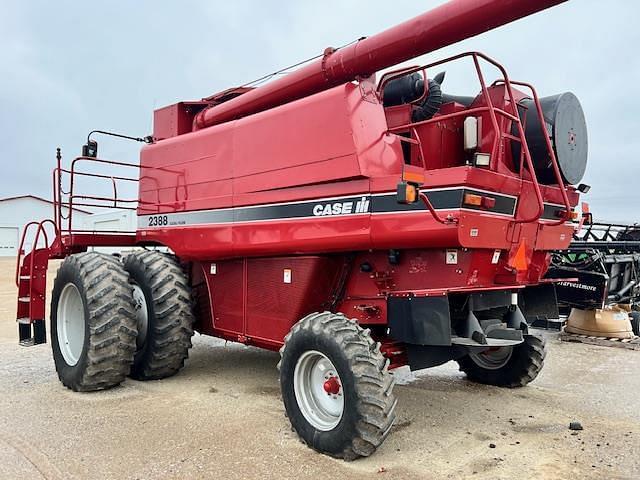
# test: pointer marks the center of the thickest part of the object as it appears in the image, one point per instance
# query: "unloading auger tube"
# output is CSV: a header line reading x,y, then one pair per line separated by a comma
x,y
445,25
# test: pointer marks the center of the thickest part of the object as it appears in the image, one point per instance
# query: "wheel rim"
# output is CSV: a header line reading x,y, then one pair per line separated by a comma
x,y
493,358
70,324
142,316
318,390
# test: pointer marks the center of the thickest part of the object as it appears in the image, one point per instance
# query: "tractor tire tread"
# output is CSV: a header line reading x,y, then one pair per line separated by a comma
x,y
526,363
375,401
111,322
174,317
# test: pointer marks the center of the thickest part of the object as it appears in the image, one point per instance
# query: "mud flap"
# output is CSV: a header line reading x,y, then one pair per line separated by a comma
x,y
421,356
420,320
539,305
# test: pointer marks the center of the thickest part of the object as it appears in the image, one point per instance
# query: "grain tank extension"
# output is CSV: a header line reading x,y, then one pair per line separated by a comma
x,y
356,223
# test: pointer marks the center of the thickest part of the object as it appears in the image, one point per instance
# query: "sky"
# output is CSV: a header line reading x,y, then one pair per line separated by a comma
x,y
69,67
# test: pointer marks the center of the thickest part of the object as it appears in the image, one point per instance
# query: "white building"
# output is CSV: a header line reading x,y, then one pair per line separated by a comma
x,y
16,212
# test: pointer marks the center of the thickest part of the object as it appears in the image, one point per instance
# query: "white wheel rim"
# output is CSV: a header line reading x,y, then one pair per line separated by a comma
x,y
493,358
318,390
70,324
142,316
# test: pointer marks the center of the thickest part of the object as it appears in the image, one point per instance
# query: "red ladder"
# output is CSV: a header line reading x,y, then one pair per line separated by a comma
x,y
31,280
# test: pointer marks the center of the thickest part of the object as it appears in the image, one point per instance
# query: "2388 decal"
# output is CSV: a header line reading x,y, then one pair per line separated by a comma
x,y
158,220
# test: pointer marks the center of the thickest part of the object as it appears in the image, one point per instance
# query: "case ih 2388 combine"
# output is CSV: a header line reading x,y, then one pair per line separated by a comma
x,y
355,226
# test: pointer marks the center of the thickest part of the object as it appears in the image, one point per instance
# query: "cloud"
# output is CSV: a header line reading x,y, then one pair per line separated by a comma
x,y
65,69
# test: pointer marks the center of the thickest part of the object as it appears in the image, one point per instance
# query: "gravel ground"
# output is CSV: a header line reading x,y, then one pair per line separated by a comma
x,y
222,417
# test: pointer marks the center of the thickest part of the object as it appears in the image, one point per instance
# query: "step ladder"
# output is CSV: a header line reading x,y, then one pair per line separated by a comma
x,y
32,284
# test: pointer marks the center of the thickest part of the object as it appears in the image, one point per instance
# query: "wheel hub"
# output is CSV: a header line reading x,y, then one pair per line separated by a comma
x,y
493,358
142,316
331,386
318,390
70,324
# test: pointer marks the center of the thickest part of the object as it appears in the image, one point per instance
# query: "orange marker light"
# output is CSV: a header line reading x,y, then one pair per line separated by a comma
x,y
407,193
471,199
411,193
413,177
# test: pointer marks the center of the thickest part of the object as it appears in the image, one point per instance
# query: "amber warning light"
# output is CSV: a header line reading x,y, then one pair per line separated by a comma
x,y
407,193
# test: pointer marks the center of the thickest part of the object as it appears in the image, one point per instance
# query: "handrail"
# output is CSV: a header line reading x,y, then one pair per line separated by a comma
x,y
493,113
25,230
523,139
440,118
62,223
552,155
445,221
389,76
71,200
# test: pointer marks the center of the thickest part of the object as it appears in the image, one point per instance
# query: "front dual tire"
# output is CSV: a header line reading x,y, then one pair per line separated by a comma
x,y
93,326
110,319
165,315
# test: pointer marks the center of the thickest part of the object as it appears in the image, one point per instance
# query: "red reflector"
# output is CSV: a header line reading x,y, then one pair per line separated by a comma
x,y
488,202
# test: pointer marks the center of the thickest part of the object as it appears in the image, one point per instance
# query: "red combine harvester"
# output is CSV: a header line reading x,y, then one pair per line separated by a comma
x,y
355,226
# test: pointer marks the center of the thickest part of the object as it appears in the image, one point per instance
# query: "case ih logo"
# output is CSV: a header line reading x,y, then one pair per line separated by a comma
x,y
341,208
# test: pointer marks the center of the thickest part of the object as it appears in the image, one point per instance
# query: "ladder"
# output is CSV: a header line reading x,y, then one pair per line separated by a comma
x,y
31,280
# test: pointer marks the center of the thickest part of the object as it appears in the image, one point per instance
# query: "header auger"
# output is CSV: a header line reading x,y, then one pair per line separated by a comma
x,y
355,226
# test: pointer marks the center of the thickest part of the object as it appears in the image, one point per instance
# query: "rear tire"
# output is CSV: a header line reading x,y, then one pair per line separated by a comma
x,y
635,322
511,369
326,351
162,291
93,328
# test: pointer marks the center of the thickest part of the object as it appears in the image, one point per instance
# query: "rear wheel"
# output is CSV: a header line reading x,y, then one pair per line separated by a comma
x,y
336,389
506,366
92,322
635,322
164,314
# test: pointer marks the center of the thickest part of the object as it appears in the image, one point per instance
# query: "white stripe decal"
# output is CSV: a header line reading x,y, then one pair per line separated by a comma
x,y
449,198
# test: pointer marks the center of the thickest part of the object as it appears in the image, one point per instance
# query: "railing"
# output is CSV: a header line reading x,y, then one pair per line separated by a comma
x,y
40,229
498,134
69,200
65,202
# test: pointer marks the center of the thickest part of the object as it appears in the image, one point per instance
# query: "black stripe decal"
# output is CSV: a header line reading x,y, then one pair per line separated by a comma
x,y
440,199
551,211
328,207
315,208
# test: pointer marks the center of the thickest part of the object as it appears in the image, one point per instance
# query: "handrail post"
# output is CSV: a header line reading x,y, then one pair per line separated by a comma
x,y
445,221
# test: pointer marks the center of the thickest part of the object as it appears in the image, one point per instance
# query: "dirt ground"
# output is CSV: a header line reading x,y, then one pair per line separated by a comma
x,y
222,417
